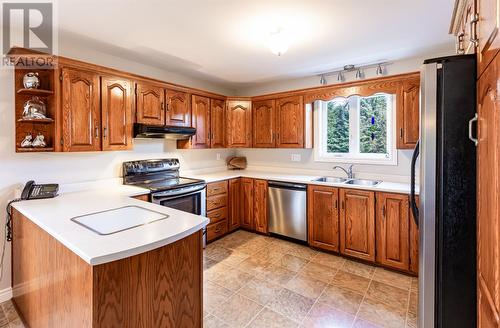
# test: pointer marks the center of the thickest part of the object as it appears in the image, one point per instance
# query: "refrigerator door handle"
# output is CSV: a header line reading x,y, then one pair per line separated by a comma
x,y
471,122
413,202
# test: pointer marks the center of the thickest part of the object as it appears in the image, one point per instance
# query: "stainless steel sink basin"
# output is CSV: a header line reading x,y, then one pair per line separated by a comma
x,y
361,182
331,179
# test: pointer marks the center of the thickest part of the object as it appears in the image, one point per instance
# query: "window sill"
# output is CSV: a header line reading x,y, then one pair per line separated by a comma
x,y
353,160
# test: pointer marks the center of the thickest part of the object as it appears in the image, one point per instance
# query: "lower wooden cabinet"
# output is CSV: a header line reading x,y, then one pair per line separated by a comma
x,y
217,209
234,219
357,224
393,230
323,217
260,206
247,203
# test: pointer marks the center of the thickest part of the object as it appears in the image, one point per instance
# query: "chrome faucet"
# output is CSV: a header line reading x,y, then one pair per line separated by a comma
x,y
350,174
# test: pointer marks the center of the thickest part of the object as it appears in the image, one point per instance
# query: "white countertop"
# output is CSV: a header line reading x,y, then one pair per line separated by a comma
x,y
402,188
54,216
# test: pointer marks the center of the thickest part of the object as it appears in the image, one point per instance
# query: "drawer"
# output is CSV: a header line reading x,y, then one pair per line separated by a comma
x,y
217,215
216,188
216,201
216,230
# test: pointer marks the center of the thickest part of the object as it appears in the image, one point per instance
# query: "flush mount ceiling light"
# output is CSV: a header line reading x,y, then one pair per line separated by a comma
x,y
278,41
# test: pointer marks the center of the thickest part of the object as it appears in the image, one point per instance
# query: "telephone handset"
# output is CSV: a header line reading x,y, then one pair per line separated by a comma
x,y
35,191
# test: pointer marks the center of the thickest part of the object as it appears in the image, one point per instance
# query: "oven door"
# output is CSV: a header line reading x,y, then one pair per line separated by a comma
x,y
193,202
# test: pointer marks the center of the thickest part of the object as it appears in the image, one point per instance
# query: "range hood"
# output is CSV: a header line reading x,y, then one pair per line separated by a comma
x,y
162,131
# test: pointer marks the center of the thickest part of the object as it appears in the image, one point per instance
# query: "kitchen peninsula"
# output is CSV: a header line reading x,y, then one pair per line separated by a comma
x,y
65,275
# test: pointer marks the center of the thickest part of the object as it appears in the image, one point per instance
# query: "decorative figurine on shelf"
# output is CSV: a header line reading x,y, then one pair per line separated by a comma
x,y
27,141
31,80
34,109
39,141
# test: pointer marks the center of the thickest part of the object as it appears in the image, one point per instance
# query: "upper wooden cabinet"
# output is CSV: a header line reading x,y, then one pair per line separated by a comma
x,y
487,32
150,104
290,122
264,134
408,115
239,124
260,205
247,203
393,230
217,123
116,107
323,217
235,208
178,109
81,115
357,223
201,121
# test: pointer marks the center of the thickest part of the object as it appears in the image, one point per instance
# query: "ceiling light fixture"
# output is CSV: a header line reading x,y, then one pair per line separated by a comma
x,y
359,74
379,67
380,70
322,80
340,76
278,41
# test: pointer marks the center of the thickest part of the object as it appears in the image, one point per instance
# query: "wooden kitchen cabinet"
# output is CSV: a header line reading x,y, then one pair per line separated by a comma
x,y
357,224
487,32
178,108
217,123
217,209
247,203
150,104
290,122
116,113
408,114
201,121
414,242
239,124
393,230
264,124
235,208
81,115
260,206
323,217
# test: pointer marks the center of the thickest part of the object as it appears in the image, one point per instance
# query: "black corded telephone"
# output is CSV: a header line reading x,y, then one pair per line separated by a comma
x,y
34,191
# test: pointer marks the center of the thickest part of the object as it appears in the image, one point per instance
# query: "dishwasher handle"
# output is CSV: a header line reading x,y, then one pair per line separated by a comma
x,y
287,185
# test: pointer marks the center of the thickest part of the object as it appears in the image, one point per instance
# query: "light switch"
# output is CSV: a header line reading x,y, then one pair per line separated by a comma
x,y
296,158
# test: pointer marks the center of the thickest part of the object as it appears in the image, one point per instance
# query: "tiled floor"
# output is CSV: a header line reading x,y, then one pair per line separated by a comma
x,y
257,281
9,317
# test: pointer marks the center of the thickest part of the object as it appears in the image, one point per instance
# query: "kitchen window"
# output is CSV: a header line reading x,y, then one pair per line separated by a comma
x,y
356,129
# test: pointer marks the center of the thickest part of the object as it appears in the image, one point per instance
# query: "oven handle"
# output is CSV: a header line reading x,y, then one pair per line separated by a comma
x,y
178,196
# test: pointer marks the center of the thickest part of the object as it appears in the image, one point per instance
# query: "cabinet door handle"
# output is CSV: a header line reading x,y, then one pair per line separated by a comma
x,y
97,131
460,44
105,132
336,204
342,205
401,133
471,122
473,34
383,211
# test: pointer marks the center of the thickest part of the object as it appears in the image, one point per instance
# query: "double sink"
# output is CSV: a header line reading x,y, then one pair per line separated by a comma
x,y
357,182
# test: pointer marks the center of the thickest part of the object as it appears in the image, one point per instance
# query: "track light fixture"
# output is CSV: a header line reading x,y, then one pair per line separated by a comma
x,y
322,80
380,69
340,77
359,74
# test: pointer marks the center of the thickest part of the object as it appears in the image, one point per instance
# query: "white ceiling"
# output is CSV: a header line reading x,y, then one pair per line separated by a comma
x,y
225,41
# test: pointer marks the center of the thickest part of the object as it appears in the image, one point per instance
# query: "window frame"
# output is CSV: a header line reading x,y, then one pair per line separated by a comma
x,y
320,134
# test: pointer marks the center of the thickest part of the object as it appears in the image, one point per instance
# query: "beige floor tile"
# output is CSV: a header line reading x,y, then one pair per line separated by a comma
x,y
302,251
212,322
215,271
342,299
254,266
292,305
267,318
260,291
332,261
217,253
413,304
282,245
414,284
390,295
214,295
208,263
10,311
322,315
358,268
234,258
306,286
292,263
233,279
269,254
382,314
392,278
237,310
411,320
351,281
318,272
277,274
16,324
360,323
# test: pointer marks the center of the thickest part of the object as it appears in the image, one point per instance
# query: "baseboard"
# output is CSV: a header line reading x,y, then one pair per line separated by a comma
x,y
5,294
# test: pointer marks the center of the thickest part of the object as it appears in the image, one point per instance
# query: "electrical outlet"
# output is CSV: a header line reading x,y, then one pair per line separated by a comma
x,y
296,158
218,156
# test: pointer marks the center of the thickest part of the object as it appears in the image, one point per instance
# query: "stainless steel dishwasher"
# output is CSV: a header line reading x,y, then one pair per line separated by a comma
x,y
287,209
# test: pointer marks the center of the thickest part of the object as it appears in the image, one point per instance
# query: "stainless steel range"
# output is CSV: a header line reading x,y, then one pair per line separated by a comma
x,y
161,176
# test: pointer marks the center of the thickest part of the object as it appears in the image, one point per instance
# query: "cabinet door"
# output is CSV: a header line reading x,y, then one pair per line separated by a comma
x,y
247,204
290,122
201,121
80,111
357,223
408,114
323,217
178,111
150,104
260,209
488,197
393,230
217,123
487,32
239,124
235,208
116,107
263,124
414,236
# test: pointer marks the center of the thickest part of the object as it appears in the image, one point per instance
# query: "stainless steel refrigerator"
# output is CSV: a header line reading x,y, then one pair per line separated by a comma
x,y
447,208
